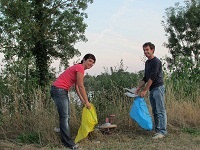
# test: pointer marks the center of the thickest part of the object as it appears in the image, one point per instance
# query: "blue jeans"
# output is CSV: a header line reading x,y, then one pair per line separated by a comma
x,y
157,100
61,99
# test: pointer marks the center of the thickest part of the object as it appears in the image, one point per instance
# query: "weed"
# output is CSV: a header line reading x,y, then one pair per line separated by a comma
x,y
192,131
29,137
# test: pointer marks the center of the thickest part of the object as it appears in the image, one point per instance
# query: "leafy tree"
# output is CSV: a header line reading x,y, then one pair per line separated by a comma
x,y
41,31
182,26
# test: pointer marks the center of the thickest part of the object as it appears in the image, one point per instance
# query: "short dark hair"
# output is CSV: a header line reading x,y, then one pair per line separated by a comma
x,y
151,45
89,56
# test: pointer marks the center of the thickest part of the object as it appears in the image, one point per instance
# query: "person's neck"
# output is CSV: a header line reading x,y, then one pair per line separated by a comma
x,y
84,67
151,57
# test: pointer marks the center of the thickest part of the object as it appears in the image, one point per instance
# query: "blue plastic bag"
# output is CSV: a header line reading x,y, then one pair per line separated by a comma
x,y
140,113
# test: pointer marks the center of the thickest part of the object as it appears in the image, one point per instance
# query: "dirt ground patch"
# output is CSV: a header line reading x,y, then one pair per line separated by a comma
x,y
136,140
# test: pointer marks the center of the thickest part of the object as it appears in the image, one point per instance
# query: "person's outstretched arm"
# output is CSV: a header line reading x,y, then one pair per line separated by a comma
x,y
80,88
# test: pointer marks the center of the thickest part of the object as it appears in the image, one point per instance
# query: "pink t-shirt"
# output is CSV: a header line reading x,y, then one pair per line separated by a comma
x,y
68,77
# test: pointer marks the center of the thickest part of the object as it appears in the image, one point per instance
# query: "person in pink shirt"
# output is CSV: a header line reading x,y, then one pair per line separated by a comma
x,y
73,75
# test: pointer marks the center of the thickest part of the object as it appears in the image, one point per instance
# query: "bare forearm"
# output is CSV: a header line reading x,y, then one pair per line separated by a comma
x,y
83,94
79,95
81,89
142,83
144,90
148,84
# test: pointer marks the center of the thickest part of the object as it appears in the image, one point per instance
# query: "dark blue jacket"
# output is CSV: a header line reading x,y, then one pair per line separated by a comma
x,y
153,71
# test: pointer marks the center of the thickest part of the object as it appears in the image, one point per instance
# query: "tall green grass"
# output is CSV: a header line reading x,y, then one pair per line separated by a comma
x,y
36,125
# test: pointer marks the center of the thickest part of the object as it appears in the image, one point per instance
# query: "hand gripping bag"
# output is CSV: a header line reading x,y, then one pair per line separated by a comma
x,y
140,113
88,122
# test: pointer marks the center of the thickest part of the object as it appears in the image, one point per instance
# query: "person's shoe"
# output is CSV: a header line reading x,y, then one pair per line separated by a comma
x,y
158,136
75,147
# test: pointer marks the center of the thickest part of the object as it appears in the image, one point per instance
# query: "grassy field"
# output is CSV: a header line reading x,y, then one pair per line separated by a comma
x,y
183,125
136,139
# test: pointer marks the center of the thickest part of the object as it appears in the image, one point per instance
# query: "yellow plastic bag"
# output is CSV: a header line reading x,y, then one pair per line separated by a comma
x,y
88,121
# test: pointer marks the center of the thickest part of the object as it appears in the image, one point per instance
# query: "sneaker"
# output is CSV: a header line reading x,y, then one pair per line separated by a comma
x,y
158,136
75,147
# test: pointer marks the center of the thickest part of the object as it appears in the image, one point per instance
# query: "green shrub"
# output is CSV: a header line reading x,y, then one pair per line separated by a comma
x,y
29,137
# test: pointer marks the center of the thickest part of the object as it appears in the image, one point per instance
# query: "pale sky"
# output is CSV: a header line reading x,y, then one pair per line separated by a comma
x,y
117,29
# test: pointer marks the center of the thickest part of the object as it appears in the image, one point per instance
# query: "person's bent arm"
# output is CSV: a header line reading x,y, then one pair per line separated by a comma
x,y
142,83
81,88
146,88
79,94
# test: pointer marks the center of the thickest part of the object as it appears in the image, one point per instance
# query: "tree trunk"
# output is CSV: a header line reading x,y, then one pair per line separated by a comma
x,y
40,51
41,64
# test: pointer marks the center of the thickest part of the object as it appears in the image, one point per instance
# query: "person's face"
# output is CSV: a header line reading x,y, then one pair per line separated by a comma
x,y
89,63
148,52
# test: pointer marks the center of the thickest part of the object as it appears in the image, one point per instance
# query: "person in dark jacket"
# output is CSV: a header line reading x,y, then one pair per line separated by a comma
x,y
153,81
